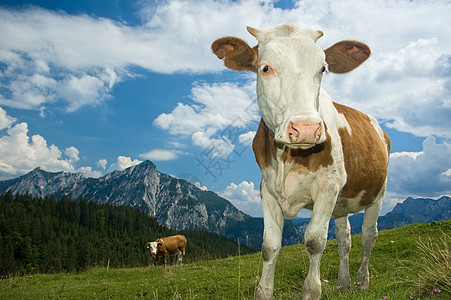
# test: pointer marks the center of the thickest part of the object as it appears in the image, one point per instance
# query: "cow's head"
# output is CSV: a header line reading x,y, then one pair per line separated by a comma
x,y
289,66
152,246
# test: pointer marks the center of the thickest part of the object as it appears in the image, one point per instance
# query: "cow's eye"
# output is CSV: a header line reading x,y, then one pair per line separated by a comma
x,y
266,69
323,69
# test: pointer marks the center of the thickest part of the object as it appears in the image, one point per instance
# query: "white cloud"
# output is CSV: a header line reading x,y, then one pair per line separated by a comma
x,y
421,174
102,163
217,118
123,162
245,197
5,120
221,147
20,153
412,155
201,187
72,153
161,155
89,172
247,138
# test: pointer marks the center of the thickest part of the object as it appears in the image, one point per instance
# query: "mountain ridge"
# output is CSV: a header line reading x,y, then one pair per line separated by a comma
x,y
411,210
175,203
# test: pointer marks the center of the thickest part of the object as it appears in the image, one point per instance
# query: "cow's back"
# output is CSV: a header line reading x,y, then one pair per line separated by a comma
x,y
175,243
365,150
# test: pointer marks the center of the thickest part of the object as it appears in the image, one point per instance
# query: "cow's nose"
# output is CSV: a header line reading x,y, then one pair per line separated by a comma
x,y
304,132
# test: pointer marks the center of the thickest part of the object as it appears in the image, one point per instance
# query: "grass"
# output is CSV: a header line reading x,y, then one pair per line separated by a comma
x,y
397,271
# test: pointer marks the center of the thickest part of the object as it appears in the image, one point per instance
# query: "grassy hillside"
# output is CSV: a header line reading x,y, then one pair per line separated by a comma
x,y
398,270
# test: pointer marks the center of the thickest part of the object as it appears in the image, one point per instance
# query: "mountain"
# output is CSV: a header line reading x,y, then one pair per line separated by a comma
x,y
175,203
419,210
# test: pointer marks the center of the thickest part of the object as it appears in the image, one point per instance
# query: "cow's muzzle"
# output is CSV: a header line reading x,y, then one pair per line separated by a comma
x,y
304,132
300,133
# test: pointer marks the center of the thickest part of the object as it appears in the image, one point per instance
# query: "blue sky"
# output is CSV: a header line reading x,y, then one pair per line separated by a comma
x,y
96,86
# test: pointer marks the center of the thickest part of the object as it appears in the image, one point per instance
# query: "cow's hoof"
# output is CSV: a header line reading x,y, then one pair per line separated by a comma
x,y
263,293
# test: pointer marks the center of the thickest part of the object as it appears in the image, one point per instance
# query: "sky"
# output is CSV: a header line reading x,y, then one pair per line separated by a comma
x,y
95,86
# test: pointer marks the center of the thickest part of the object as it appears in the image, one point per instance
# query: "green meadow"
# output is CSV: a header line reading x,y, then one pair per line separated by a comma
x,y
411,262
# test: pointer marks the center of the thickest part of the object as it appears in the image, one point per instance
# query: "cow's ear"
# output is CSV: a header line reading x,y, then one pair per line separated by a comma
x,y
345,56
236,53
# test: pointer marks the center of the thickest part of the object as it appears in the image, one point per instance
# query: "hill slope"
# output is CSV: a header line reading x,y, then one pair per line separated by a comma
x,y
394,272
45,235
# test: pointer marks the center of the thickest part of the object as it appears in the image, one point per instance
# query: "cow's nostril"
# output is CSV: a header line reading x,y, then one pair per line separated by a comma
x,y
292,131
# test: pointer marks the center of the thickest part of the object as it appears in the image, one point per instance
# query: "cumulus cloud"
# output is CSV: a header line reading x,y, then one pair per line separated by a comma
x,y
247,138
422,174
72,153
89,172
53,57
102,163
245,197
219,116
5,120
123,162
20,153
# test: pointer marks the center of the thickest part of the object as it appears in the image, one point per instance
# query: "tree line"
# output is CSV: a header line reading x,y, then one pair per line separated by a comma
x,y
47,235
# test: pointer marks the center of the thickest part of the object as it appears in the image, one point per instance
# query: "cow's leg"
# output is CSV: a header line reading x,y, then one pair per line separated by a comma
x,y
343,234
179,257
165,260
272,240
369,235
315,239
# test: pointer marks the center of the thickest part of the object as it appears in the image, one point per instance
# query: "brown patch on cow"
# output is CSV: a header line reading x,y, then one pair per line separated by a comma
x,y
236,53
265,149
345,56
312,158
365,156
262,145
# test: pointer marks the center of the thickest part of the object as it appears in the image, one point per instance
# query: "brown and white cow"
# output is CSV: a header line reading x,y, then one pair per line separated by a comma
x,y
171,245
313,153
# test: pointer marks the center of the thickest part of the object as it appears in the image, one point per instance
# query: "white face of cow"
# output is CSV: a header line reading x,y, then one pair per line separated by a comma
x,y
289,71
152,247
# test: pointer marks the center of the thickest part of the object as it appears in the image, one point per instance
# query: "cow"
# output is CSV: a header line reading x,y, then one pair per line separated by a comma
x,y
312,152
171,245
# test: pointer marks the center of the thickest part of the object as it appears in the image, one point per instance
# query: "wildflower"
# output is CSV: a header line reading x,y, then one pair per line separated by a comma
x,y
384,298
436,290
326,281
392,242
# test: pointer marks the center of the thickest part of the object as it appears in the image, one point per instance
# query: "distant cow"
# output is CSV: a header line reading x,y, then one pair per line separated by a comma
x,y
167,246
313,153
